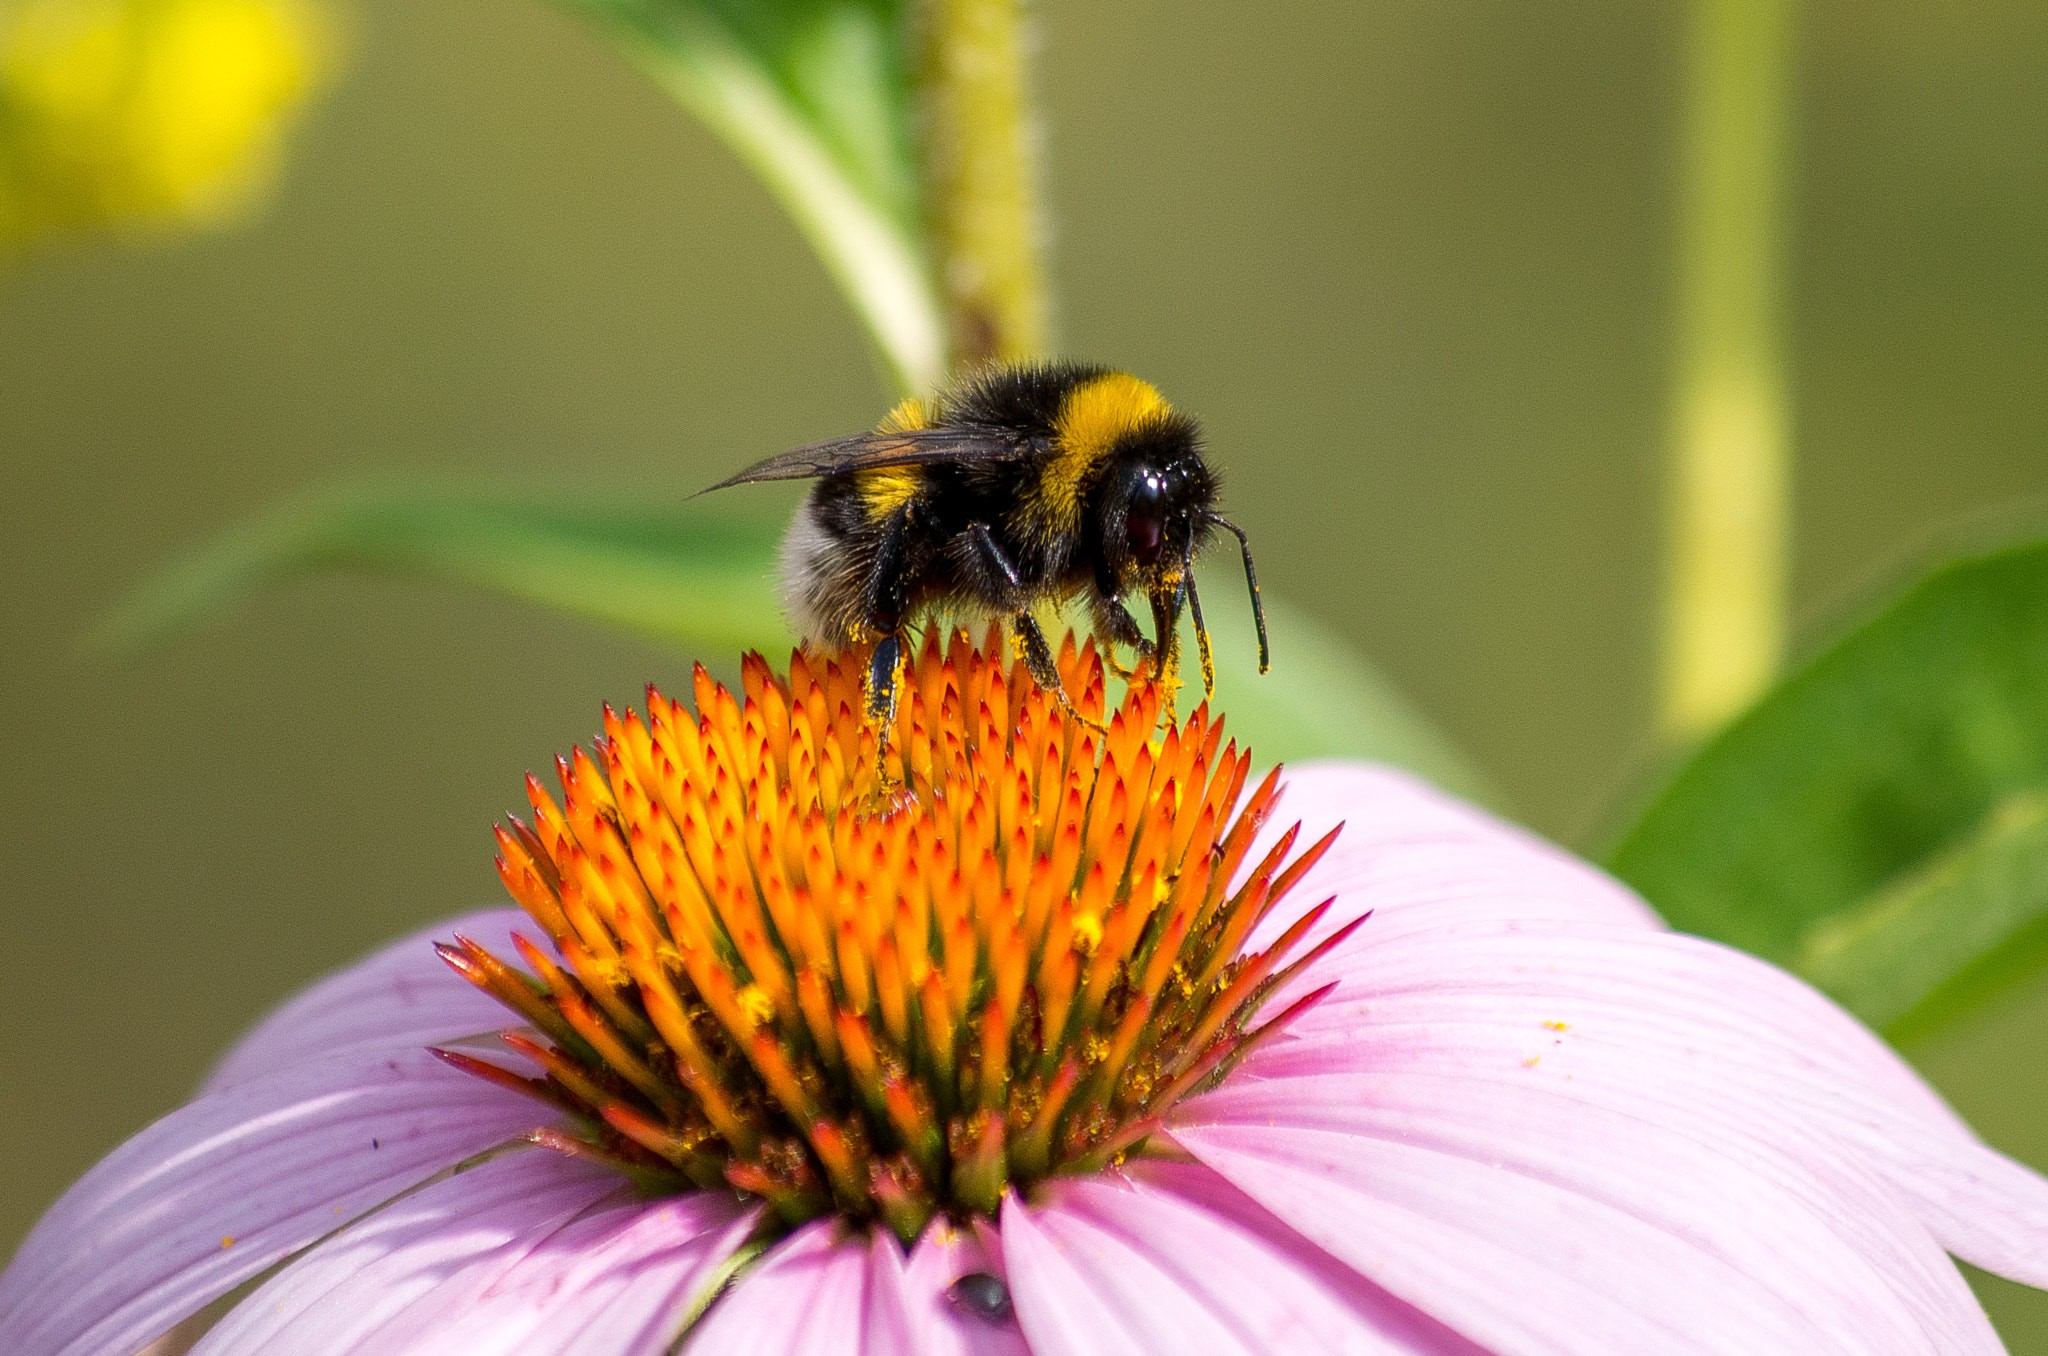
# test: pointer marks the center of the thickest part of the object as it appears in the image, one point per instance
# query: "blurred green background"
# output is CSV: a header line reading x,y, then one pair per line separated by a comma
x,y
1410,261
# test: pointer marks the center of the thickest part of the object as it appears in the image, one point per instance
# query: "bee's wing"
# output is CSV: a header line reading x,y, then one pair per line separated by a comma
x,y
908,448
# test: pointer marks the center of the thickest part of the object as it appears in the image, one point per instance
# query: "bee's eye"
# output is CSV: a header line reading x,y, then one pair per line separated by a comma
x,y
1145,519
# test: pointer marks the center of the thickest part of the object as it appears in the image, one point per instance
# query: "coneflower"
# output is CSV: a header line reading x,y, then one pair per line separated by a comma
x,y
1030,1030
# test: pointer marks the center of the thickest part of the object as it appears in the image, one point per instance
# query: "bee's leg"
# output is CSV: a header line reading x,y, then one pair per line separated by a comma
x,y
1037,654
1115,624
1201,635
1044,670
883,665
883,592
1166,646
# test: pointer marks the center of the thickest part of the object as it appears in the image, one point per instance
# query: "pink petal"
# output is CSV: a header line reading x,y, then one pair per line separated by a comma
x,y
1060,1312
350,1285
222,1188
807,1298
1418,858
1534,1222
1171,1259
619,1283
532,1253
403,997
1691,1033
908,1311
1979,1204
1665,988
826,1290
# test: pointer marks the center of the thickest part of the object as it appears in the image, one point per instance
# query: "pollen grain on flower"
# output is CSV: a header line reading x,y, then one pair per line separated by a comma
x,y
888,978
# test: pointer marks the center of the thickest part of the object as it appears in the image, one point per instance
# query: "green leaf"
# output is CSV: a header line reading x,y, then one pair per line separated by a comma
x,y
681,574
1877,799
688,575
1945,936
815,97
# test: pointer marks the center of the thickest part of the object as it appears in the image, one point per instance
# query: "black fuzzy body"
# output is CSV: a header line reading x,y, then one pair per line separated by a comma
x,y
1024,486
994,534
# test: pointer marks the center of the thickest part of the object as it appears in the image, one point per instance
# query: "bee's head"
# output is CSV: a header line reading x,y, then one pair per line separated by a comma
x,y
1154,514
1157,511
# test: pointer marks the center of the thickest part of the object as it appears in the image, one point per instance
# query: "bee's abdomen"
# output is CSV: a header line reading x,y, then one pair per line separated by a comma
x,y
859,554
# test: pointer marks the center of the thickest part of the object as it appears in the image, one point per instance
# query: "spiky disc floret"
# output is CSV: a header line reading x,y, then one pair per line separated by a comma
x,y
1005,957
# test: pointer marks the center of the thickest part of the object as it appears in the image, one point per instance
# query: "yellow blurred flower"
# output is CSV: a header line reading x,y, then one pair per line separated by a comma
x,y
145,115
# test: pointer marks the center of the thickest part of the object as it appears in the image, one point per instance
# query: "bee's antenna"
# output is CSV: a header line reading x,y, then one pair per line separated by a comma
x,y
1187,576
1251,579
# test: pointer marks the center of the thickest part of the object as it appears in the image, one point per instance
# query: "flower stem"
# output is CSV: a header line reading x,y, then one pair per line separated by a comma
x,y
981,178
1729,485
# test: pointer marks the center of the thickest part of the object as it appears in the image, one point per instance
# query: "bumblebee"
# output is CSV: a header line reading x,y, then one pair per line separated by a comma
x,y
1023,485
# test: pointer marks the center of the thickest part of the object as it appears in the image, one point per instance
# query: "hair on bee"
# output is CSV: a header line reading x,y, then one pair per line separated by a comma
x,y
1023,484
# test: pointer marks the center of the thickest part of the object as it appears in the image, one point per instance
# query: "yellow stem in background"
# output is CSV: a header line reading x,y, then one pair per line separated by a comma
x,y
979,144
1730,481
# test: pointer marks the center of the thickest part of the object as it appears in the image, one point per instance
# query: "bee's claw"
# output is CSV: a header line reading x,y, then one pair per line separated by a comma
x,y
1142,653
1058,690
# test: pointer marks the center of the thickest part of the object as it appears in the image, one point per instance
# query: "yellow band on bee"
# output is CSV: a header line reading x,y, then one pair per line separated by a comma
x,y
888,488
1093,417
908,416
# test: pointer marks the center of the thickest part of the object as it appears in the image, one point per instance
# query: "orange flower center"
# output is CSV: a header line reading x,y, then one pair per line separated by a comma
x,y
889,994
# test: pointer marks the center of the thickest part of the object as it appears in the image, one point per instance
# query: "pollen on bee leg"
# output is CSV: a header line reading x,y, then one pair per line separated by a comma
x,y
888,969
